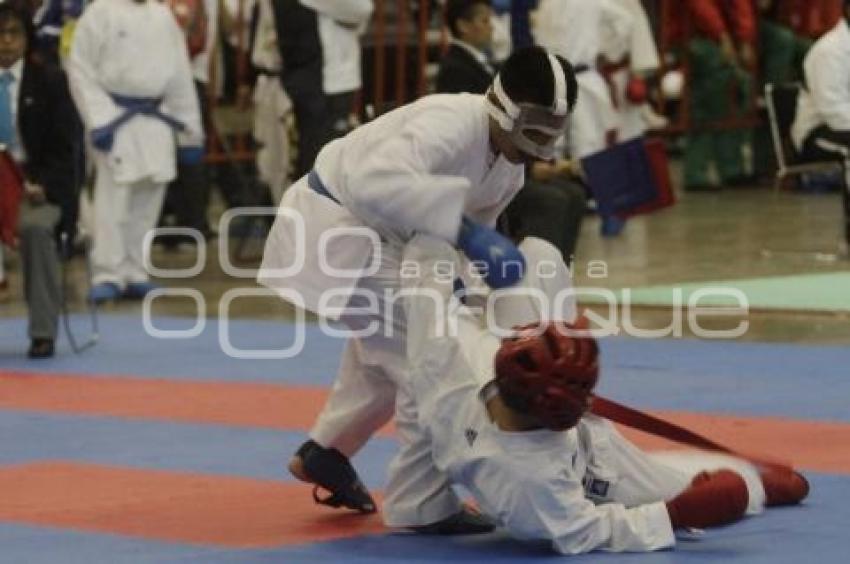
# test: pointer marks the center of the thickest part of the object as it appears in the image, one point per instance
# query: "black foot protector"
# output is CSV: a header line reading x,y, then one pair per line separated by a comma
x,y
465,522
330,470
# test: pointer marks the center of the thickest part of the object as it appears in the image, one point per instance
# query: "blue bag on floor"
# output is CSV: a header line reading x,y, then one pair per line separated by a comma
x,y
620,178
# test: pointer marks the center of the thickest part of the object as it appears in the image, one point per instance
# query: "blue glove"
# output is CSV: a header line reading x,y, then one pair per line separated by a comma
x,y
103,137
190,155
505,265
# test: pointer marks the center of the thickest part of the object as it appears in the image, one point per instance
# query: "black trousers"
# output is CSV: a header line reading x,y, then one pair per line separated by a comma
x,y
552,211
301,48
824,144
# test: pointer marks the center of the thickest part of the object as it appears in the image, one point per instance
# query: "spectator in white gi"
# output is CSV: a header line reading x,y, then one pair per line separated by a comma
x,y
272,106
132,83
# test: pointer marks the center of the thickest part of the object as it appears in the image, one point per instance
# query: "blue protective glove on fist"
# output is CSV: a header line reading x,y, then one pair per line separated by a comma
x,y
103,137
190,155
504,264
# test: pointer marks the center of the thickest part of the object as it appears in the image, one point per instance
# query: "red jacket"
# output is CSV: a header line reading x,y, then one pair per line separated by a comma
x,y
810,18
708,18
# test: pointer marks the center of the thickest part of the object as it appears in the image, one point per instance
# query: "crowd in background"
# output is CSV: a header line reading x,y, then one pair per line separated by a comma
x,y
696,65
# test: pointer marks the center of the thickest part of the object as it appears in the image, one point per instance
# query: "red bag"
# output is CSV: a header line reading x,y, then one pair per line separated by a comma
x,y
660,168
11,191
191,16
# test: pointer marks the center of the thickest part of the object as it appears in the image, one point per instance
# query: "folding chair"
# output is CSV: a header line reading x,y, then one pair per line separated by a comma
x,y
781,102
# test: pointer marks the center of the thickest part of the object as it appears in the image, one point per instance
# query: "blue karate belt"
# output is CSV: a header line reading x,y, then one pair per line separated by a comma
x,y
316,185
103,136
144,106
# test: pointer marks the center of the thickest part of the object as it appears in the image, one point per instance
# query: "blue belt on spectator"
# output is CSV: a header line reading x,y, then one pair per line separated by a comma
x,y
103,137
316,185
146,106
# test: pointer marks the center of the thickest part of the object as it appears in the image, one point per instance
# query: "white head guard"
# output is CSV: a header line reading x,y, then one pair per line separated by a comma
x,y
518,119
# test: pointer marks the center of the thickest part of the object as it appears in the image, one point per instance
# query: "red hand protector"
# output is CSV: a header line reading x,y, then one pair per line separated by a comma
x,y
712,499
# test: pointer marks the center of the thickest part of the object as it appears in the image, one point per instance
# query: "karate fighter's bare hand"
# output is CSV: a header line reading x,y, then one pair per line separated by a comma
x,y
35,193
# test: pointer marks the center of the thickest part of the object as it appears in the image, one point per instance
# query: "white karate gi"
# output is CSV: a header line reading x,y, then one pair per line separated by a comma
x,y
272,106
638,48
826,101
340,27
135,50
571,29
416,169
583,489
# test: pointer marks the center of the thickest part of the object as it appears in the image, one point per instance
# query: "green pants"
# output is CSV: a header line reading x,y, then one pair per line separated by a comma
x,y
718,91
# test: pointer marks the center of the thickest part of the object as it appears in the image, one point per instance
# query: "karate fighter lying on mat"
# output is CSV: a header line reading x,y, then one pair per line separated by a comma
x,y
446,165
508,419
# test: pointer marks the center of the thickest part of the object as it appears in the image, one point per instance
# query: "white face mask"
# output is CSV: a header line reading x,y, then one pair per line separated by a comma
x,y
520,119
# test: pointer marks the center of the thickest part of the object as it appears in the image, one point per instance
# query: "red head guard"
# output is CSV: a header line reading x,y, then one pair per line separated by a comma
x,y
546,372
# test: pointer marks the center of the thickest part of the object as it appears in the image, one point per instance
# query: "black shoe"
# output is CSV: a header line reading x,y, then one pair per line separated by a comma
x,y
464,522
41,348
330,470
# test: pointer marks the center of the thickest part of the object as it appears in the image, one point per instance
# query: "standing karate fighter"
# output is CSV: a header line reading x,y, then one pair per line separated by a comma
x,y
446,165
131,81
507,419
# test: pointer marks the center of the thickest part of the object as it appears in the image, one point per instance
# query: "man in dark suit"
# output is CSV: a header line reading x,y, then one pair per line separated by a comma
x,y
465,66
552,202
39,128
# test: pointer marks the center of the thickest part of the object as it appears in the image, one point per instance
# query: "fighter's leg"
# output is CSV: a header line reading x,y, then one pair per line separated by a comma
x,y
111,208
362,399
418,495
145,203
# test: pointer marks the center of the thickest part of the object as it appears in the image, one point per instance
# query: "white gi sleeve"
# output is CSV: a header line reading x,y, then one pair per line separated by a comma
x,y
180,99
554,508
88,49
826,78
400,183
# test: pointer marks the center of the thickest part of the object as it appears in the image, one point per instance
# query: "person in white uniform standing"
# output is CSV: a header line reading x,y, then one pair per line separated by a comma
x,y
132,84
272,106
508,420
445,165
631,59
573,29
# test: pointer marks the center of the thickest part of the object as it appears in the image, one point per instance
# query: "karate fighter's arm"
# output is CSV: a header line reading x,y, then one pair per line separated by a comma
x,y
180,99
88,50
400,183
545,504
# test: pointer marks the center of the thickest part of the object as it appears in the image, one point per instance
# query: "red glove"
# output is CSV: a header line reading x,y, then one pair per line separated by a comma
x,y
636,90
713,499
784,486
